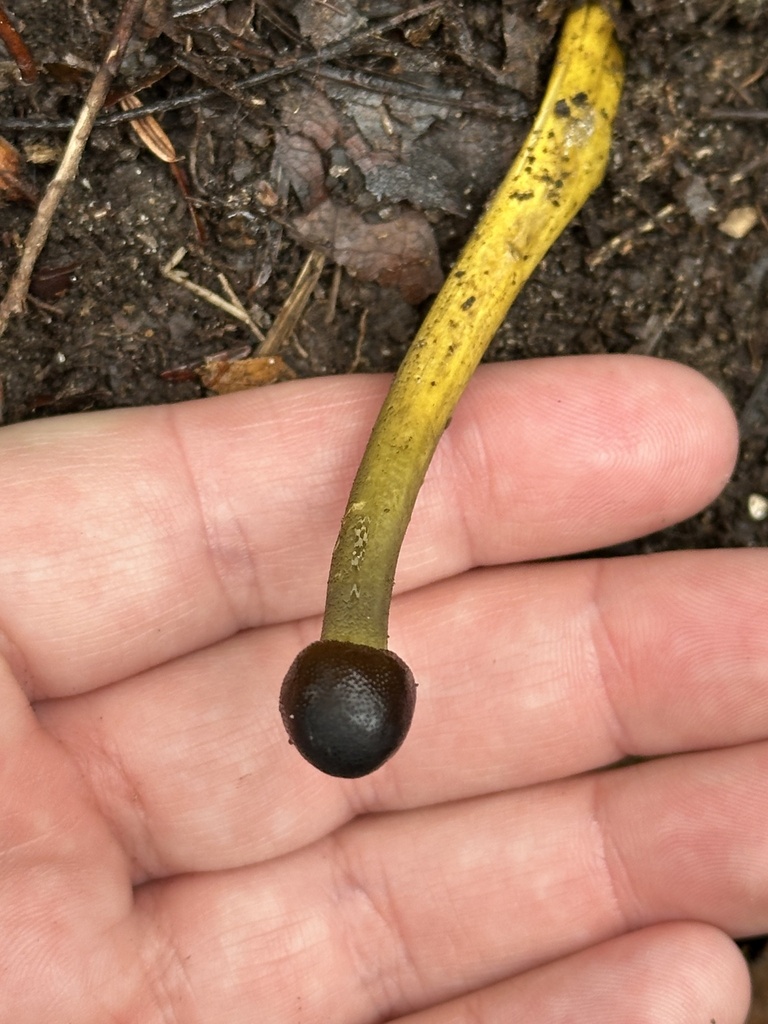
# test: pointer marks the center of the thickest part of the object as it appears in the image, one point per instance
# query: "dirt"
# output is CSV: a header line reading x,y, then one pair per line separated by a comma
x,y
353,123
323,154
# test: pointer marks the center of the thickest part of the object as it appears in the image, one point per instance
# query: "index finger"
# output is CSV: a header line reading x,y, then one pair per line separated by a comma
x,y
129,538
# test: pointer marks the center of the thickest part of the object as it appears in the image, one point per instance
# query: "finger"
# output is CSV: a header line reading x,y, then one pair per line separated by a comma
x,y
399,912
526,674
513,880
175,527
537,672
678,973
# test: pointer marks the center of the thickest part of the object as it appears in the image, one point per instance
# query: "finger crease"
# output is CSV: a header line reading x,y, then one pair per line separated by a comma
x,y
376,946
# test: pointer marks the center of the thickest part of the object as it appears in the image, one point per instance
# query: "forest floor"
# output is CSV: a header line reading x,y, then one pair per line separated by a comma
x,y
304,125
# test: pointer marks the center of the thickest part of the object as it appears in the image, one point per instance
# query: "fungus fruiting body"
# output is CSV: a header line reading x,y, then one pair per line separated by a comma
x,y
347,701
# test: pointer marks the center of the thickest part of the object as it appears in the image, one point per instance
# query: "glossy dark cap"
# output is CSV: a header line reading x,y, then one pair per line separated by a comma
x,y
347,707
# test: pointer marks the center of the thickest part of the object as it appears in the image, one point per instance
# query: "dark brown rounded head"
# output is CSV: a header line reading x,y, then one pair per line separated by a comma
x,y
347,707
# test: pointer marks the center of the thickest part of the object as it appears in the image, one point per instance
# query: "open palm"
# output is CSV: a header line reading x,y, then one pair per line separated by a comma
x,y
167,858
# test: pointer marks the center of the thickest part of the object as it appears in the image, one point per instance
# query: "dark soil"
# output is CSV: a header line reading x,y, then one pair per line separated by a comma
x,y
414,123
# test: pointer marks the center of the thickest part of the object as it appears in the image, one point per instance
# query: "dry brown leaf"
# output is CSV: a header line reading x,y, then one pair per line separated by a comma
x,y
394,156
13,186
326,23
308,111
224,376
399,253
149,131
236,18
524,41
300,159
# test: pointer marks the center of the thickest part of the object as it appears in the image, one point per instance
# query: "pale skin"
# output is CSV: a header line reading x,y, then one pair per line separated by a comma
x,y
167,858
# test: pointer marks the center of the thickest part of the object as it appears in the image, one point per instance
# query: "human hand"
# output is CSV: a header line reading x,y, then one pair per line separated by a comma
x,y
165,855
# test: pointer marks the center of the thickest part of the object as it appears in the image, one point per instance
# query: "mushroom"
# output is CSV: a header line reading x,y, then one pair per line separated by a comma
x,y
347,701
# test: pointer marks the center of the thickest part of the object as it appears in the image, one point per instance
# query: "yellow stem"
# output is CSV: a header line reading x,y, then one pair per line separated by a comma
x,y
562,161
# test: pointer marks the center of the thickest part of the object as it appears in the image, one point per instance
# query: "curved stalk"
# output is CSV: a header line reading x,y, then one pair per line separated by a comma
x,y
562,161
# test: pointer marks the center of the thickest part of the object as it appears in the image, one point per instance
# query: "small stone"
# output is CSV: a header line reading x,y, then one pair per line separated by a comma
x,y
757,506
739,221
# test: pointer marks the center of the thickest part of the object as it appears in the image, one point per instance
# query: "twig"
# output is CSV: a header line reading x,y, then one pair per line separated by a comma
x,y
333,296
15,297
233,297
726,114
234,309
361,331
623,242
293,308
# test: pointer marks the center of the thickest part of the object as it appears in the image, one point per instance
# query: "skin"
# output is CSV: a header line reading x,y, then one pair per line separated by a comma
x,y
165,856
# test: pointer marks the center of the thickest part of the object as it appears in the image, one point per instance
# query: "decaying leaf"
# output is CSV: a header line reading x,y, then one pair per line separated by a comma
x,y
14,187
327,21
149,131
300,159
50,281
399,253
309,112
423,182
525,39
395,159
43,152
235,17
225,376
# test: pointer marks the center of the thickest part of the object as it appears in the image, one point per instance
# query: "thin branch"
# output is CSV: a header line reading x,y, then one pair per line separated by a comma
x,y
233,308
15,298
292,310
726,114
